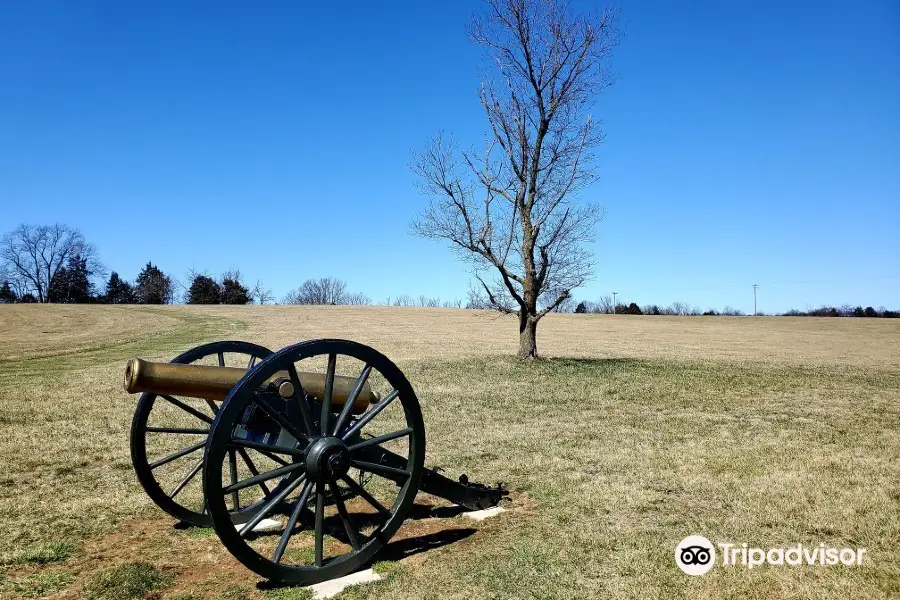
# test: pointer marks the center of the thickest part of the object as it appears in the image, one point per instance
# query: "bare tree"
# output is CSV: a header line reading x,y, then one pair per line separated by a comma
x,y
357,299
324,290
32,254
404,300
605,305
510,208
261,294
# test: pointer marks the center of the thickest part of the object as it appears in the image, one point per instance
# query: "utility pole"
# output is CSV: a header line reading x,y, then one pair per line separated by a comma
x,y
614,302
754,299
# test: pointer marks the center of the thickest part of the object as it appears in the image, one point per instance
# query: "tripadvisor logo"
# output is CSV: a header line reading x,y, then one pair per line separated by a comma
x,y
696,555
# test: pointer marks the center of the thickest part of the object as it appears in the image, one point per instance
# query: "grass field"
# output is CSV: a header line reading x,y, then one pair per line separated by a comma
x,y
633,433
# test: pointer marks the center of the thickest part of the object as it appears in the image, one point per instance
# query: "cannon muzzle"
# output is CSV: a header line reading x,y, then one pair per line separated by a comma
x,y
215,383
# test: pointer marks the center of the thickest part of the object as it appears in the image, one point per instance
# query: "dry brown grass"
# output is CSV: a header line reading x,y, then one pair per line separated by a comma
x,y
641,431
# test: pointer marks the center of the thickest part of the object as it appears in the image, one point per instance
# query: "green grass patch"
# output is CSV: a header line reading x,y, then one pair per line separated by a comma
x,y
128,581
288,593
42,554
198,533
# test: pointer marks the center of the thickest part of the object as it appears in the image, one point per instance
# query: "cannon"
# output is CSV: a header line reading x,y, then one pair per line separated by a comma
x,y
233,436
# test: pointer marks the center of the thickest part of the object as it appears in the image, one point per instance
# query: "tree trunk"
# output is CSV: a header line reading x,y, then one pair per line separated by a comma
x,y
527,336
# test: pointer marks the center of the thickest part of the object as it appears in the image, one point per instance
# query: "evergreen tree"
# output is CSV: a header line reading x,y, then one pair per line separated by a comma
x,y
204,290
7,296
71,284
152,286
233,292
118,291
58,290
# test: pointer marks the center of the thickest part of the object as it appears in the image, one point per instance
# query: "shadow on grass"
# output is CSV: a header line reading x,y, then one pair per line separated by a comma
x,y
397,550
401,549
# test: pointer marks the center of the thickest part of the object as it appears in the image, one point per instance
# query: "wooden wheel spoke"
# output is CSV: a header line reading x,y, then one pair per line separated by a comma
x,y
391,473
176,455
253,470
178,430
271,505
365,495
366,418
329,393
349,526
351,399
186,408
232,467
300,397
266,449
267,475
381,438
292,521
278,417
187,478
320,521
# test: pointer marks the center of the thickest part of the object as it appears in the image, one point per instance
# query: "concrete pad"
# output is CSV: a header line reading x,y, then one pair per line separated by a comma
x,y
481,515
333,587
268,526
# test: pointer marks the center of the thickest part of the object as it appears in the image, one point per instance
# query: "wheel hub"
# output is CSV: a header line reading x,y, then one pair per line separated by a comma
x,y
328,458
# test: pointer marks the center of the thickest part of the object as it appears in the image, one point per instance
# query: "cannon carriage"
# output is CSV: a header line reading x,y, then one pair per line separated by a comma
x,y
305,461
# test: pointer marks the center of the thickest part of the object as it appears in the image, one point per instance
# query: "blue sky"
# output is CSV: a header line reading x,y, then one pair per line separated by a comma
x,y
747,142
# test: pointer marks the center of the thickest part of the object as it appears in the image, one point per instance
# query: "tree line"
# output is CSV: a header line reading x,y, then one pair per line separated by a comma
x,y
605,306
54,263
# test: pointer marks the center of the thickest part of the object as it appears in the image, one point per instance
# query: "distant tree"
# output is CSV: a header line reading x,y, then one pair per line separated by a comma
x,y
870,312
152,286
428,302
58,290
234,292
581,308
71,283
28,298
118,291
261,294
510,210
404,300
357,299
32,254
203,290
890,314
322,291
605,304
633,309
7,295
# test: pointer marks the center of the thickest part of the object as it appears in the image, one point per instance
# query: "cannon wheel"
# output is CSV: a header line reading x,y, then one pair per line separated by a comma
x,y
140,431
319,459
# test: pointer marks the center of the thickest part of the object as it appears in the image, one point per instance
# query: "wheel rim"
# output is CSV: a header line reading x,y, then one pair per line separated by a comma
x,y
332,523
151,466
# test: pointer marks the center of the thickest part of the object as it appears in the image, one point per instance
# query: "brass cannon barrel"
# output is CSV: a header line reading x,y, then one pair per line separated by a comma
x,y
215,383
